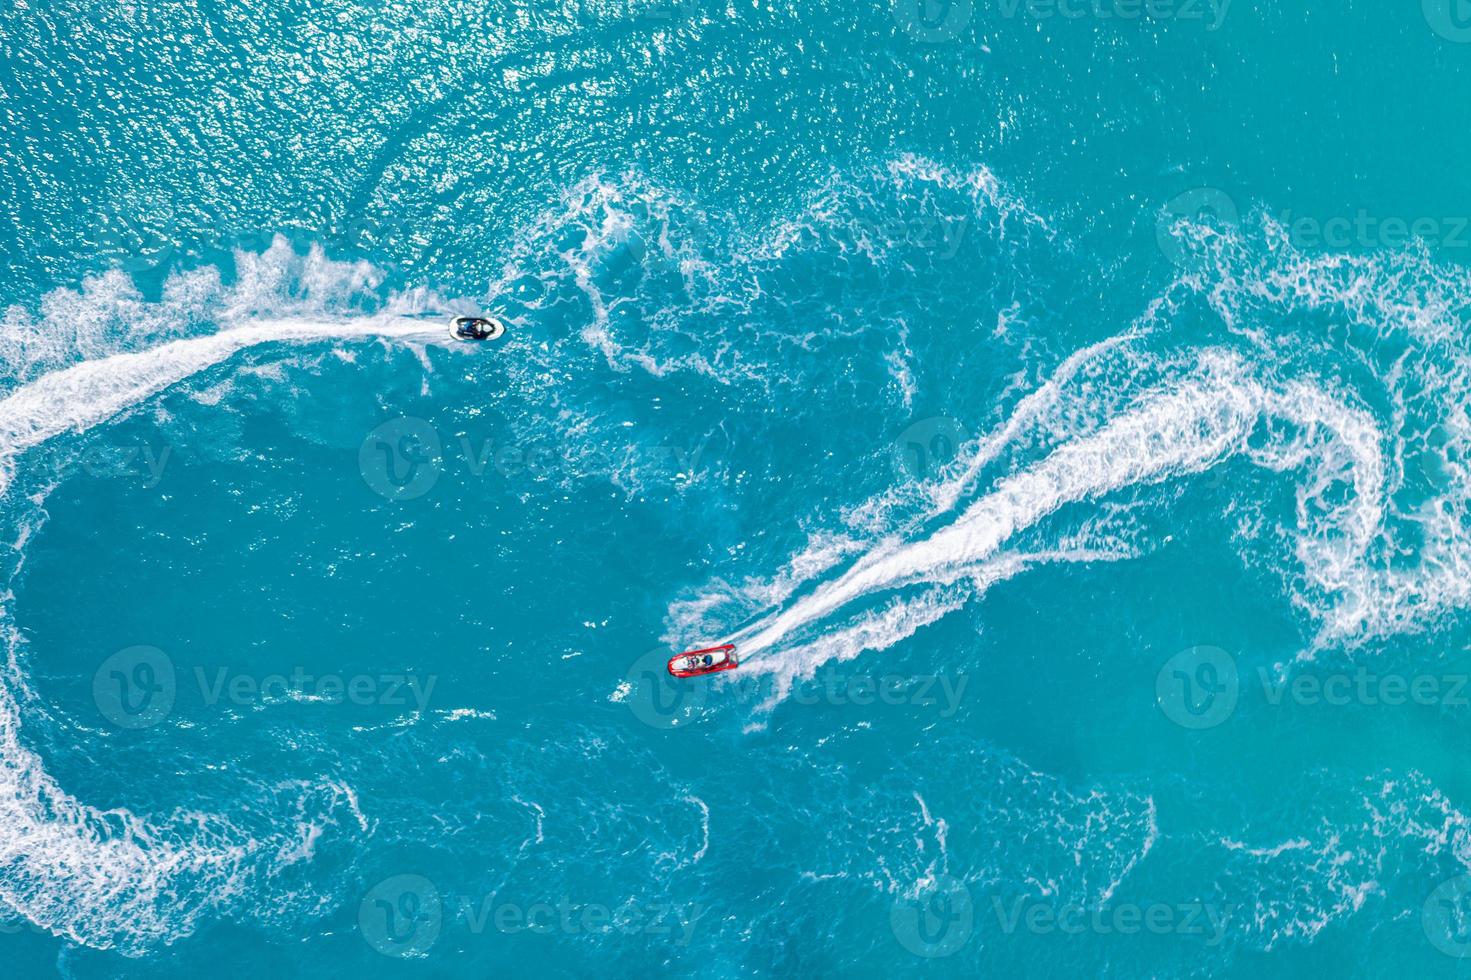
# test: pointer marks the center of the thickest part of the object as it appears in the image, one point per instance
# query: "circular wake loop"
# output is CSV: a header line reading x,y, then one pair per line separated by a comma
x,y
109,879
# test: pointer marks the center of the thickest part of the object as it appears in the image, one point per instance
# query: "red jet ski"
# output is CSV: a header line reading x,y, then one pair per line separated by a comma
x,y
698,663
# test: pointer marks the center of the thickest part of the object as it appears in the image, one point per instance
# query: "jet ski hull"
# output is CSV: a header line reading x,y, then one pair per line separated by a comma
x,y
474,329
722,658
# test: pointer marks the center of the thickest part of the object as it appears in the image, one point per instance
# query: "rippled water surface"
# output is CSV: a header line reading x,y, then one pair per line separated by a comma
x,y
1062,407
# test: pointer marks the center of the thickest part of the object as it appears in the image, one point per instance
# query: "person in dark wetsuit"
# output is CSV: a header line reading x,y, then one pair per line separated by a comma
x,y
473,329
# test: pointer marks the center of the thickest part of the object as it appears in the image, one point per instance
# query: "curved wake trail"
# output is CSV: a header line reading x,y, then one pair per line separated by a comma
x,y
106,878
1171,432
76,398
1028,410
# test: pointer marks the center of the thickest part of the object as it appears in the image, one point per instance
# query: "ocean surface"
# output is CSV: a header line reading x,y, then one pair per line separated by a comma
x,y
1062,406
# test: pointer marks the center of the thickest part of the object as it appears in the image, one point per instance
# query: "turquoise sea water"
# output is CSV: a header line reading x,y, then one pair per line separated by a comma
x,y
1062,406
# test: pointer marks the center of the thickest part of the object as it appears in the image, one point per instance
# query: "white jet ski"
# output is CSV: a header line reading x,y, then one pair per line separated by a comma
x,y
476,328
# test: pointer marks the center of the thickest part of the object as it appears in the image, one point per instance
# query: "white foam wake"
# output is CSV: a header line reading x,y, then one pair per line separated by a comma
x,y
76,398
936,497
107,878
948,492
101,878
901,618
1177,429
